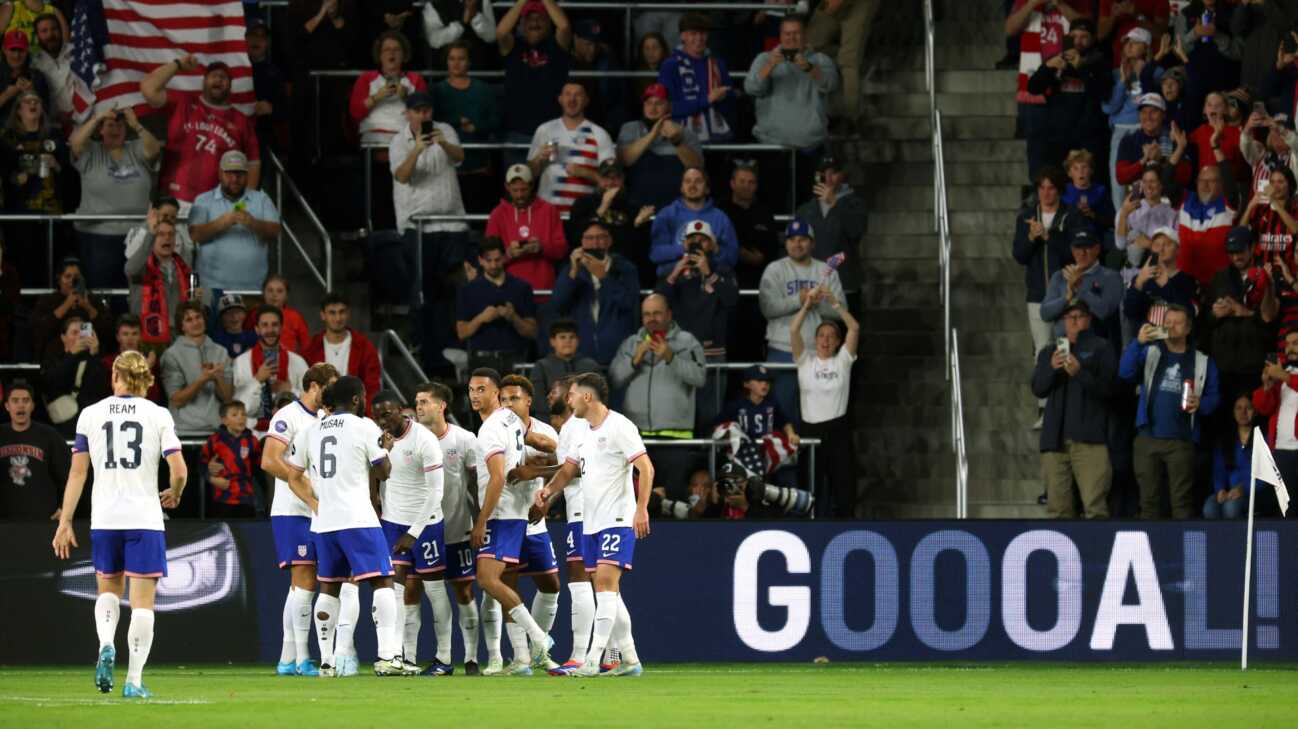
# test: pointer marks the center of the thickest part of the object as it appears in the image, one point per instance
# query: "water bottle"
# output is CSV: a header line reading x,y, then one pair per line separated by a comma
x,y
193,284
554,149
45,168
1206,19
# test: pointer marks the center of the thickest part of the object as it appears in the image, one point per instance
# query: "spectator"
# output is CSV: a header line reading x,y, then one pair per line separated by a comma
x,y
1272,215
163,209
128,333
824,385
322,35
1117,19
1041,26
1175,86
530,228
34,460
1127,97
1086,280
201,129
755,228
495,313
294,335
445,24
269,85
235,224
792,85
36,182
377,100
469,106
786,285
1152,144
535,69
69,300
231,455
1077,381
1274,150
1232,466
17,75
195,374
1204,29
1218,133
838,215
160,281
54,61
759,415
598,289
611,205
230,332
650,54
668,231
1176,384
347,349
590,52
1143,211
566,152
698,84
1238,331
664,25
380,16
656,150
1076,85
266,370
72,376
703,500
117,178
1206,217
562,361
1261,28
1275,401
1092,202
1160,281
840,29
23,15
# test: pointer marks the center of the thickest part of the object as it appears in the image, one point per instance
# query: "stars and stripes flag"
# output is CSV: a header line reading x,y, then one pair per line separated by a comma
x,y
116,43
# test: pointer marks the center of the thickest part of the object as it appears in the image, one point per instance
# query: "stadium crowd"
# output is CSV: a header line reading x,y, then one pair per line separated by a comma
x,y
611,188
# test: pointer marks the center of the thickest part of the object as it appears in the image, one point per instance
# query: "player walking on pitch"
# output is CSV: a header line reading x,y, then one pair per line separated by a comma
x,y
122,438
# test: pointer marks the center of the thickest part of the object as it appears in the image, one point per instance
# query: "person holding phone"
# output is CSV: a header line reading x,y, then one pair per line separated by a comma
x,y
73,378
377,96
266,370
792,88
598,289
1267,143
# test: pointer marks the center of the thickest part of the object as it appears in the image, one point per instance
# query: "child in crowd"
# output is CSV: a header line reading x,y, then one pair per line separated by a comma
x,y
231,455
1090,198
759,415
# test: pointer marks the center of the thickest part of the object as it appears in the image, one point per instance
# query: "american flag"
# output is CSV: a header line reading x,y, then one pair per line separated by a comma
x,y
115,43
1157,313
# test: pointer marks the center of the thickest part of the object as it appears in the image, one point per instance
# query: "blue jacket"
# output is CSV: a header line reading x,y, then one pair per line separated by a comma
x,y
688,83
1042,258
1140,364
619,307
667,235
1228,476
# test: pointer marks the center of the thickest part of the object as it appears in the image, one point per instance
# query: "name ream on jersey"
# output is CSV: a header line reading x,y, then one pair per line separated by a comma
x,y
116,408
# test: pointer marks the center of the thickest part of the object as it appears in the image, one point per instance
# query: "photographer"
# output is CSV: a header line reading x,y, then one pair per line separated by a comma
x,y
70,299
1159,280
792,87
17,74
73,377
599,290
1237,328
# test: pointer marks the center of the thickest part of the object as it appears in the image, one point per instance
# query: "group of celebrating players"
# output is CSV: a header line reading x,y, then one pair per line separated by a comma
x,y
405,505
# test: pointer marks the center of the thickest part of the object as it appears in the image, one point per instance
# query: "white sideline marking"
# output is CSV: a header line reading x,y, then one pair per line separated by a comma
x,y
46,701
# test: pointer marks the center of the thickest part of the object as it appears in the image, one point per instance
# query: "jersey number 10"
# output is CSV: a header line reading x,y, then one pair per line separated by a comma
x,y
134,434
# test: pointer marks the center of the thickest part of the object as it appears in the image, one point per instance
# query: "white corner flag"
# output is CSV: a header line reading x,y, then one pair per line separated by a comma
x,y
1264,469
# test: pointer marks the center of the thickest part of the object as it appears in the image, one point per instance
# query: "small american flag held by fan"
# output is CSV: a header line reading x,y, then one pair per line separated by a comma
x,y
833,262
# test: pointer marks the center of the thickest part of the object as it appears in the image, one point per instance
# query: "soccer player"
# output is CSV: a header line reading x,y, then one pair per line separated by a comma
x,y
459,452
290,521
342,451
603,459
123,437
501,523
411,498
537,559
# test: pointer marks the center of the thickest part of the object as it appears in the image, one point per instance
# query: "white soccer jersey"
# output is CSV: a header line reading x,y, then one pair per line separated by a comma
x,y
125,437
502,434
459,454
416,468
538,483
605,455
570,435
284,427
337,452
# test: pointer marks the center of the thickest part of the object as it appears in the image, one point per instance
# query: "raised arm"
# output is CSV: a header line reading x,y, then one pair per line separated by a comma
x,y
853,328
505,28
795,330
154,86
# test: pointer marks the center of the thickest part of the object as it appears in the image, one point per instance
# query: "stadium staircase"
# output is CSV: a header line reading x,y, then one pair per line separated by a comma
x,y
902,395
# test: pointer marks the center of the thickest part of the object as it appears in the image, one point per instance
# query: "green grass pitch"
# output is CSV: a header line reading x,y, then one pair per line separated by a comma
x,y
729,696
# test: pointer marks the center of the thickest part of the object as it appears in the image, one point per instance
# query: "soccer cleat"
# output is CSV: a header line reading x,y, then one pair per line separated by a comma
x,y
286,668
104,669
412,668
471,668
307,668
135,691
610,666
585,670
626,669
541,654
347,666
518,668
389,667
437,668
327,671
565,669
495,667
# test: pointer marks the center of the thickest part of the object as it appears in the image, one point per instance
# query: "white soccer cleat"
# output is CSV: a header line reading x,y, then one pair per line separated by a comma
x,y
587,670
541,654
625,669
518,668
348,666
495,667
327,671
390,667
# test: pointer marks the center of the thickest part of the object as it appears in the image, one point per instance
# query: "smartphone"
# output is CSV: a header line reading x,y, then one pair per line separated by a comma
x,y
598,254
426,128
789,53
1159,333
1068,43
1062,346
87,330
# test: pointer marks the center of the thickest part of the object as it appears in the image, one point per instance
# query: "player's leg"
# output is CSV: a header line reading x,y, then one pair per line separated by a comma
x,y
430,563
581,594
332,572
410,604
349,614
108,556
300,594
367,553
146,561
505,547
403,563
613,550
519,664
469,623
543,568
295,551
493,624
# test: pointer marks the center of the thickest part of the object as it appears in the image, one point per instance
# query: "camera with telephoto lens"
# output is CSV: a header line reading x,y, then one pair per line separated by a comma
x,y
732,479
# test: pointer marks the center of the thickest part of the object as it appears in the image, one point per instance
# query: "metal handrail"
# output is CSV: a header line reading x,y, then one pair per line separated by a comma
x,y
50,220
957,433
386,337
126,292
282,179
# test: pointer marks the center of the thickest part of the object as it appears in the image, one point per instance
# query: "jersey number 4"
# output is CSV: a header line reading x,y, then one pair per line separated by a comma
x,y
133,432
328,461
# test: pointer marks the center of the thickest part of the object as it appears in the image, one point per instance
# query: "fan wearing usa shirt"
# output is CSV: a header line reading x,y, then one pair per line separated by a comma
x,y
616,514
202,127
566,152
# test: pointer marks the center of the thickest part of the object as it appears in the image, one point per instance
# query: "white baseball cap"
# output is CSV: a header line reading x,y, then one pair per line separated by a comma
x,y
1152,99
1138,34
518,172
699,227
1168,232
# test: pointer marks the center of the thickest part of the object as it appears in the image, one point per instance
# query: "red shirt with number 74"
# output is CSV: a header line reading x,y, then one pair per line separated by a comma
x,y
198,133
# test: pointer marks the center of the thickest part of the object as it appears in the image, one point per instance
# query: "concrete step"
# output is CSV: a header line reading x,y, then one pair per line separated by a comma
x,y
1006,318
958,198
924,246
905,272
974,368
920,173
955,151
952,105
960,56
996,510
1023,473
989,32
962,222
953,127
948,11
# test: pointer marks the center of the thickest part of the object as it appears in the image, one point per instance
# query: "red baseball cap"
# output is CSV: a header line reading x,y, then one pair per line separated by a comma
x,y
16,39
655,90
532,6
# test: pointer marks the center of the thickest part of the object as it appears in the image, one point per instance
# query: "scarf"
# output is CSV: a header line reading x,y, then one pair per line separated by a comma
x,y
154,307
267,408
1042,38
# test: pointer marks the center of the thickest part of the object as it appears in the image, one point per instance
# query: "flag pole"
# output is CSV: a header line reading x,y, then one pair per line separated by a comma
x,y
1258,440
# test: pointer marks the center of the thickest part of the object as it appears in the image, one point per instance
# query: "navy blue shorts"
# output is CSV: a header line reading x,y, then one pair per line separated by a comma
x,y
294,542
614,546
392,532
430,550
504,540
460,565
352,554
137,552
573,548
538,555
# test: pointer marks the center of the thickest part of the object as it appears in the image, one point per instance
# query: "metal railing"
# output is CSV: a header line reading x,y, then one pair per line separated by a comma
x,y
51,219
326,242
957,433
389,337
716,368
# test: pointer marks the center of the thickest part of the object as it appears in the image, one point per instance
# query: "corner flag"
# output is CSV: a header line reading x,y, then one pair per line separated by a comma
x,y
1264,469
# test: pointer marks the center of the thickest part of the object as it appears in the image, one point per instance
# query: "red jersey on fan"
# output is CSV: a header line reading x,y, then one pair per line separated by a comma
x,y
198,133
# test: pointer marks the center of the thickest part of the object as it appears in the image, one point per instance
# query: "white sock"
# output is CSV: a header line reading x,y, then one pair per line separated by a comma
x,y
399,628
518,642
544,606
410,634
606,604
468,631
301,623
108,609
288,649
622,633
436,592
583,618
139,638
524,618
492,618
348,613
326,622
385,621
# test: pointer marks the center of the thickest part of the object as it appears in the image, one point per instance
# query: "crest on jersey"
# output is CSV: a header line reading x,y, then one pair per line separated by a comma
x,y
243,451
280,426
19,470
601,441
301,550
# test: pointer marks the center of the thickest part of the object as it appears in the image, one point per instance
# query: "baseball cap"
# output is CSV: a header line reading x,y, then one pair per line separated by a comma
x,y
588,29
1167,232
1077,305
694,21
1177,74
217,66
230,301
827,161
1138,34
757,372
257,24
419,99
1152,99
655,90
518,172
611,168
532,6
16,39
234,160
166,200
699,227
798,226
1239,239
1084,238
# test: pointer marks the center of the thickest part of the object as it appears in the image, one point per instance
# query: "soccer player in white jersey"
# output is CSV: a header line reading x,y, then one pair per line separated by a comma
x,y
615,515
122,438
537,559
290,521
411,500
501,523
341,452
459,448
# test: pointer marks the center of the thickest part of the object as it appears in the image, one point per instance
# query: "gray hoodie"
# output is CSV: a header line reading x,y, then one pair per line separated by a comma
x,y
779,299
839,230
660,395
182,363
792,106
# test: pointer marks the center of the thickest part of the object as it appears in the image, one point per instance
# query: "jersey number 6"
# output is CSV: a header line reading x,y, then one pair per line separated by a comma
x,y
328,462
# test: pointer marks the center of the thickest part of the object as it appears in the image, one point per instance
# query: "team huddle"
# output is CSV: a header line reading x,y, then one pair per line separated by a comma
x,y
404,505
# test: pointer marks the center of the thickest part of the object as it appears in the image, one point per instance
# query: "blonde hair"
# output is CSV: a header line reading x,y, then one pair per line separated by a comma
x,y
133,371
1079,155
